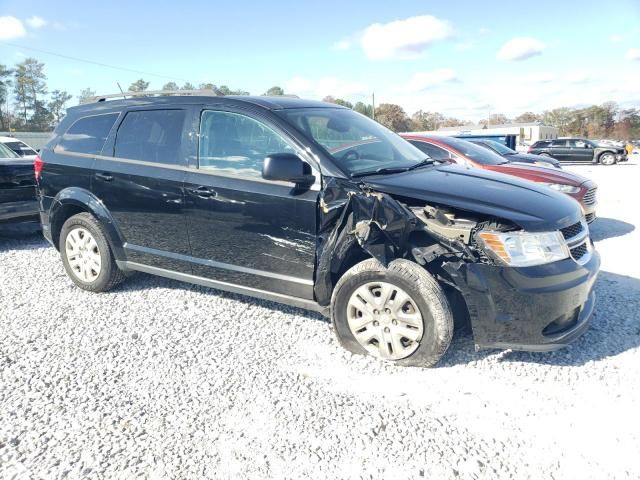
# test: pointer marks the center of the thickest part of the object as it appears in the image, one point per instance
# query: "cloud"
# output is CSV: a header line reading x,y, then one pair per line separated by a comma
x,y
578,77
322,87
406,39
633,54
10,28
36,22
423,80
342,45
616,38
520,48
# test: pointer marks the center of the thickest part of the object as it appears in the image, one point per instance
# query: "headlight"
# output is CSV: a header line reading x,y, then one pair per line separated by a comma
x,y
524,249
561,187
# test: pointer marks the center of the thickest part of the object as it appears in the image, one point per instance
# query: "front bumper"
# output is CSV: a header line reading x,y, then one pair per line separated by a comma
x,y
22,210
540,308
622,157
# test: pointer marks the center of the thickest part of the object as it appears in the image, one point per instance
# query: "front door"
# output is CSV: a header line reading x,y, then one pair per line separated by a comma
x,y
581,151
243,229
140,178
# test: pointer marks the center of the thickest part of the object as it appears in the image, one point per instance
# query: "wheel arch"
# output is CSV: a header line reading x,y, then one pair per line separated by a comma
x,y
73,200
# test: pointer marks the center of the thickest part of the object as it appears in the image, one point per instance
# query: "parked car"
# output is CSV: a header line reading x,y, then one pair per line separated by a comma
x,y
243,194
19,147
514,156
17,188
466,153
579,150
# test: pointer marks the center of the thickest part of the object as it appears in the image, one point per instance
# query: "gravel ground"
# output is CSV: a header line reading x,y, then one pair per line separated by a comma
x,y
161,379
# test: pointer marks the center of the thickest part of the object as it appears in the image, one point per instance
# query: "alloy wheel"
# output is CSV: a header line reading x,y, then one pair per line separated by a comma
x,y
385,320
83,254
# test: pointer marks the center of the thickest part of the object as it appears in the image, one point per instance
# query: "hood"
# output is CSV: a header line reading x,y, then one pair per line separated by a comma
x,y
530,158
533,207
538,173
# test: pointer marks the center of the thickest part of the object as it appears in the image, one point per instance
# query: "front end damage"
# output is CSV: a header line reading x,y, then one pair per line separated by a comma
x,y
535,308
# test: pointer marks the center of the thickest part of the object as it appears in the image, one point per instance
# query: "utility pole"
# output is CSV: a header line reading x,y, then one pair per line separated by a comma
x,y
373,105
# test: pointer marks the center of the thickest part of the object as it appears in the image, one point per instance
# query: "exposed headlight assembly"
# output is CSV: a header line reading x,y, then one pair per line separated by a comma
x,y
524,249
561,187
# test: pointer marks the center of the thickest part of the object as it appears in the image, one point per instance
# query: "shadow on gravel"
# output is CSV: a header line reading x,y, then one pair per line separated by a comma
x,y
615,329
143,281
604,228
21,236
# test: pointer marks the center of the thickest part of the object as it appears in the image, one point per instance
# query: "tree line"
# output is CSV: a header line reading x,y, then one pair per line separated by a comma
x,y
27,105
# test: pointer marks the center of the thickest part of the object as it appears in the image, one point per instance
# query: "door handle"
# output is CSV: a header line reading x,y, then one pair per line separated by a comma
x,y
104,177
203,192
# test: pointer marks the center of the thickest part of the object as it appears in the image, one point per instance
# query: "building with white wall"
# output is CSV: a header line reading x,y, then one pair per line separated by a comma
x,y
526,133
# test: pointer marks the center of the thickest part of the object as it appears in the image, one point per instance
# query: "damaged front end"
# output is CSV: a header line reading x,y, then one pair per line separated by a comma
x,y
535,308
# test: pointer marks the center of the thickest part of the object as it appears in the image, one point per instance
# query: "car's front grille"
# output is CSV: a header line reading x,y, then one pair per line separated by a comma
x,y
572,231
580,251
590,217
590,197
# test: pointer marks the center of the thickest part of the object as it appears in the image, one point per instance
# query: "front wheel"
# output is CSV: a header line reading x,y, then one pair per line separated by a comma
x,y
399,313
607,158
86,254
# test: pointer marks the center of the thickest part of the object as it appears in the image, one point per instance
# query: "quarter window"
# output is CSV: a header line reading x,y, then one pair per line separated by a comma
x,y
237,144
88,134
151,136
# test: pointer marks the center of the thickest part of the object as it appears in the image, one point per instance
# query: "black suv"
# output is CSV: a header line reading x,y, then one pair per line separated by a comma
x,y
579,150
316,206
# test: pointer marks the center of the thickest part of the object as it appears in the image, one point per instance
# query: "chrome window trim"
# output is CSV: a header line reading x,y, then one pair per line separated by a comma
x,y
61,151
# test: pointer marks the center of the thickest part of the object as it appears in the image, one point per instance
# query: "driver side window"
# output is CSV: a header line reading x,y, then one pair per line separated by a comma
x,y
237,144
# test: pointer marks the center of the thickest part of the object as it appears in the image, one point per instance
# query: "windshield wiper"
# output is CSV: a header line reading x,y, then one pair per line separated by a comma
x,y
379,171
423,163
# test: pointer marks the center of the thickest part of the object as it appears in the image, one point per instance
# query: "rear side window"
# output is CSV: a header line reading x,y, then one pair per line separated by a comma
x,y
559,143
151,136
88,134
434,152
237,144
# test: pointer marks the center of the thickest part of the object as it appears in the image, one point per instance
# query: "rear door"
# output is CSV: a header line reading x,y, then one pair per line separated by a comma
x,y
139,177
243,229
560,149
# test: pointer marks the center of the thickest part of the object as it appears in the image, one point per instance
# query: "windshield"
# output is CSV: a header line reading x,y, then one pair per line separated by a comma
x,y
6,152
473,152
499,147
355,142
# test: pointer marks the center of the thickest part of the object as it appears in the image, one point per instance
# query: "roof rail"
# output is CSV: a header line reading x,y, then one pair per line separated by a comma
x,y
149,93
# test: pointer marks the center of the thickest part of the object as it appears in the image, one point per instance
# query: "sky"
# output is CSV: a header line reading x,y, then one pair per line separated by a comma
x,y
466,59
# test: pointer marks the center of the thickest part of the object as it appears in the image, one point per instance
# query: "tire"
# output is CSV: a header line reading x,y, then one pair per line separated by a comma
x,y
544,154
86,254
429,341
607,158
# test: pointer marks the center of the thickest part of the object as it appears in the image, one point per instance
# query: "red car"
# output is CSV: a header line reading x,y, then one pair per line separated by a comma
x,y
466,153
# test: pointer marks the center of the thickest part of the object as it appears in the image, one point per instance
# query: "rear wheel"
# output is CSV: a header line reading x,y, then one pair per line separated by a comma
x,y
544,154
607,158
86,254
398,314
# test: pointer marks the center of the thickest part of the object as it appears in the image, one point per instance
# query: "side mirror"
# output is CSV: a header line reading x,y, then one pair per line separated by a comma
x,y
287,167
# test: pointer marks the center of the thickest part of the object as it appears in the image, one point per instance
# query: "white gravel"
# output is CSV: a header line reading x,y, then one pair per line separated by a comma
x,y
161,379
